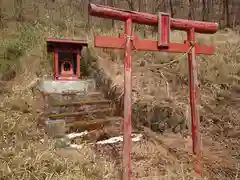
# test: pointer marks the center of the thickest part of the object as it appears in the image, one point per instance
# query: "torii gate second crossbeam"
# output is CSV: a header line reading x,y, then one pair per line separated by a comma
x,y
128,42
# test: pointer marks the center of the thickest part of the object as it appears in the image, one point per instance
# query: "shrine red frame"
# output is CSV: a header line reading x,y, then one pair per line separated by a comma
x,y
66,45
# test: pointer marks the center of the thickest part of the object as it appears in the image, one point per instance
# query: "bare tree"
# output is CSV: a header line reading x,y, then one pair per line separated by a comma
x,y
131,4
1,15
36,8
204,10
112,3
18,4
210,9
87,17
171,8
191,10
227,15
142,7
157,6
235,13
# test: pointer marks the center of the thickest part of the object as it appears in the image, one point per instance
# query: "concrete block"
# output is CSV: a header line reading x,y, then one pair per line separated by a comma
x,y
55,128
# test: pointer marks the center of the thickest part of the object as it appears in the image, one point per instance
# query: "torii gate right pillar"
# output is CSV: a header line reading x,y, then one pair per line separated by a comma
x,y
194,101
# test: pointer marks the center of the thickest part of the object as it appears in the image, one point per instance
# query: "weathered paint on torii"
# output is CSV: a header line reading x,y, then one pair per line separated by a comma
x,y
129,42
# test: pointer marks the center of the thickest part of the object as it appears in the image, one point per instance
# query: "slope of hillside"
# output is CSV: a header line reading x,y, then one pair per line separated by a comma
x,y
156,90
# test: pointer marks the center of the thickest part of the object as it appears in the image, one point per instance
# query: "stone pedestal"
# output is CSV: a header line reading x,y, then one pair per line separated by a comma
x,y
55,128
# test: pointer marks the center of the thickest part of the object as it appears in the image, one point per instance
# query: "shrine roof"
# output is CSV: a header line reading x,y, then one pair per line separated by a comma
x,y
53,43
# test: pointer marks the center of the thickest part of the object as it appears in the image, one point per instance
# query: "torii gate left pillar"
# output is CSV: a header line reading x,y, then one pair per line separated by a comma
x,y
128,42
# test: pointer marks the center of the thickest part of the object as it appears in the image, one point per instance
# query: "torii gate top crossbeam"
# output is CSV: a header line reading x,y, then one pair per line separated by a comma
x,y
150,19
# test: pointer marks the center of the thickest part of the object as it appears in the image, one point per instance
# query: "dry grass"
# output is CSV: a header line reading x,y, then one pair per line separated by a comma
x,y
22,155
219,76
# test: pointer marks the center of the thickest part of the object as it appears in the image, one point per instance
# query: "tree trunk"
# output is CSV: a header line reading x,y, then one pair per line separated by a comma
x,y
165,5
209,10
131,4
171,8
142,7
191,10
111,3
18,10
1,15
87,17
204,10
227,15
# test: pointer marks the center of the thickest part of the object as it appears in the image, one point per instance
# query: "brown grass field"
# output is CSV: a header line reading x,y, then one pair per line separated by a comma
x,y
159,156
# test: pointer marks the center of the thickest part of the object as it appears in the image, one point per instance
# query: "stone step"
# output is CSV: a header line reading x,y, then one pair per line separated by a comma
x,y
81,103
80,114
95,124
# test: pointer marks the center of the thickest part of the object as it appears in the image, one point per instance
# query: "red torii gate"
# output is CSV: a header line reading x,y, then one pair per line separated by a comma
x,y
128,42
